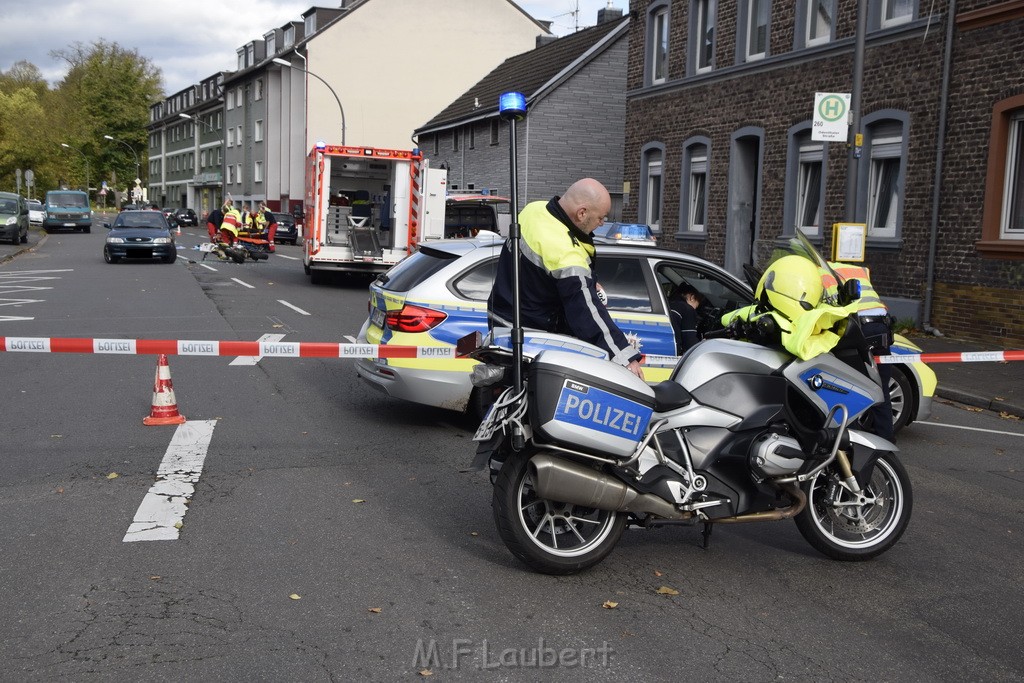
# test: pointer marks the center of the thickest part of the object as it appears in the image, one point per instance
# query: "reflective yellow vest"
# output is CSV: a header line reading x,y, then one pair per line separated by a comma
x,y
869,298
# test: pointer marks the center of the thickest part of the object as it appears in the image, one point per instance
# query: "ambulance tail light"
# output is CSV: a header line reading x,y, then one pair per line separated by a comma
x,y
414,319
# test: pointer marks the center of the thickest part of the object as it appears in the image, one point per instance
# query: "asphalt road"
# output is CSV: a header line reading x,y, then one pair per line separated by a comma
x,y
317,488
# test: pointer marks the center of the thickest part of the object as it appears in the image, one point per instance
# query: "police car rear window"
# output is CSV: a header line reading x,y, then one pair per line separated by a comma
x,y
416,269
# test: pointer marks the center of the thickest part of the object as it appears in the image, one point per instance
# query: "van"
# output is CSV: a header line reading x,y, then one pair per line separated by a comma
x,y
67,209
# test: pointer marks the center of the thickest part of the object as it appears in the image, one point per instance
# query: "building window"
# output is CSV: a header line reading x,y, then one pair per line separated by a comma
x,y
1002,222
1012,225
693,192
271,39
231,137
494,132
456,139
882,176
289,37
257,131
250,55
808,188
241,60
896,12
472,136
257,172
818,22
238,174
239,97
651,186
218,121
230,178
755,30
436,143
202,159
239,138
657,45
310,25
259,89
229,100
702,35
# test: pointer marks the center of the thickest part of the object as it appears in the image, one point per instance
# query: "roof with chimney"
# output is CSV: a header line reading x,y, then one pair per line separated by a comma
x,y
533,73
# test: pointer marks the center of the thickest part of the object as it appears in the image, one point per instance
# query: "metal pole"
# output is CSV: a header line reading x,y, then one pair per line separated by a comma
x,y
337,99
858,78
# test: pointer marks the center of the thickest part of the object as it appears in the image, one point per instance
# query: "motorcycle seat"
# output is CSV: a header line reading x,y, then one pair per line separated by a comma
x,y
669,395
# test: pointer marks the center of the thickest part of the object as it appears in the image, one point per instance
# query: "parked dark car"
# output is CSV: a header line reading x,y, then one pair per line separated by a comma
x,y
186,216
286,230
14,218
139,234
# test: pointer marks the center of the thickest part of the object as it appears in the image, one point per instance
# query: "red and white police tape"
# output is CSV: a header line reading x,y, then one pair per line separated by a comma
x,y
282,349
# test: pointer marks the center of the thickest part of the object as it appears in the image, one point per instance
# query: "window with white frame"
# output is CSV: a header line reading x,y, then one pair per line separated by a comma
x,y
703,35
883,190
756,43
310,25
895,12
289,37
250,55
259,89
658,45
652,191
239,138
238,174
697,197
231,175
202,159
257,131
231,137
819,20
257,172
229,100
239,96
271,39
808,187
1012,225
241,59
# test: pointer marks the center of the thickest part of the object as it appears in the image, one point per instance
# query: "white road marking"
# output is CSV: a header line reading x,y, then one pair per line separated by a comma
x,y
293,307
244,284
160,515
253,360
9,284
351,339
290,258
208,267
970,429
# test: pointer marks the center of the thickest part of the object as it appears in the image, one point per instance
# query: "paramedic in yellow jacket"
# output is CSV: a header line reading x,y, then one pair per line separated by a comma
x,y
558,292
790,293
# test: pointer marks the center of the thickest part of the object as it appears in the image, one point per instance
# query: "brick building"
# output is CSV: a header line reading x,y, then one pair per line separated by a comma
x,y
719,152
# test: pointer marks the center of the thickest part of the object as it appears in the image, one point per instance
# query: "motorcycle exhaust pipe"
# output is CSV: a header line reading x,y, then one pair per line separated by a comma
x,y
569,482
800,501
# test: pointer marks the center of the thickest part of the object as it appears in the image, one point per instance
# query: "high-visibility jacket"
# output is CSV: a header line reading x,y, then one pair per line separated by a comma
x,y
556,282
869,301
810,334
232,221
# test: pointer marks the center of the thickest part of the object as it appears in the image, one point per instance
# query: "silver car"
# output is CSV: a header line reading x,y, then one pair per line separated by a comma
x,y
439,294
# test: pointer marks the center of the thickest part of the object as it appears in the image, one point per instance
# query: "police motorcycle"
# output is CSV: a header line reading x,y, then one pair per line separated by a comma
x,y
743,431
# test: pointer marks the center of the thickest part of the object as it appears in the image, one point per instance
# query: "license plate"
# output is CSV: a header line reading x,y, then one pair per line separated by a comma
x,y
377,318
69,225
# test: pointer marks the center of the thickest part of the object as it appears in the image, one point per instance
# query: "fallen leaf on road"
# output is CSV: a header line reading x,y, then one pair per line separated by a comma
x,y
425,672
608,604
1000,398
665,590
295,596
473,533
59,490
178,524
113,475
155,577
1007,416
375,610
358,500
972,409
657,573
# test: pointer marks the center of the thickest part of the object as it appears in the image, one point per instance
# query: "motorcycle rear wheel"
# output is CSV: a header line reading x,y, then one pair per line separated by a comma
x,y
844,528
549,536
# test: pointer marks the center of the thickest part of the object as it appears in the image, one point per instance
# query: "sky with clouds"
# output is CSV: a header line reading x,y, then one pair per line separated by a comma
x,y
188,49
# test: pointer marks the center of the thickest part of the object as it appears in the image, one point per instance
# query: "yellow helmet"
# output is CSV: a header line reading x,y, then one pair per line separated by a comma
x,y
790,286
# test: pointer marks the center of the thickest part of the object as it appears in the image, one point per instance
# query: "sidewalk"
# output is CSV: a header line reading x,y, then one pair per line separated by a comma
x,y
997,386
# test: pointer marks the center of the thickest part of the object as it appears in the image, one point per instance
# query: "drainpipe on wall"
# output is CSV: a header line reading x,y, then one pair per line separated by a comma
x,y
947,59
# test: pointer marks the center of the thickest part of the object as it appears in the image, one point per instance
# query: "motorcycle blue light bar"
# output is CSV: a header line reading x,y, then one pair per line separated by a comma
x,y
512,105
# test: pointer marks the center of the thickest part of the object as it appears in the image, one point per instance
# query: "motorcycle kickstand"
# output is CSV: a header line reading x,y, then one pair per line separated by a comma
x,y
706,533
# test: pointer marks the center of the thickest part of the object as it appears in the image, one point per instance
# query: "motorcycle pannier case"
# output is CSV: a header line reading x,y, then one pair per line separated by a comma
x,y
588,404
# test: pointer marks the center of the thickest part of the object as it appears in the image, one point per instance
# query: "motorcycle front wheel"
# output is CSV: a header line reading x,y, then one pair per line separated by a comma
x,y
855,527
549,536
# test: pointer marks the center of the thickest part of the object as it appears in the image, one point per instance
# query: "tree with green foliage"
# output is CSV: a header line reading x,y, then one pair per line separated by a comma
x,y
107,91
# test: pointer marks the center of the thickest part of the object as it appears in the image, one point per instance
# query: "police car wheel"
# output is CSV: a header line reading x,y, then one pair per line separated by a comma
x,y
549,536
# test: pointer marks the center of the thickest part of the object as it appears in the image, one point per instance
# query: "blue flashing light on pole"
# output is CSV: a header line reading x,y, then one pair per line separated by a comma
x,y
512,106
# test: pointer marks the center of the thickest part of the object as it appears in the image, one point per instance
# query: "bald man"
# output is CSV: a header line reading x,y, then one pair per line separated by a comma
x,y
557,288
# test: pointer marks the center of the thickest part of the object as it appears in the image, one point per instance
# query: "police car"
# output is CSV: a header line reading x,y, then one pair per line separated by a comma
x,y
439,294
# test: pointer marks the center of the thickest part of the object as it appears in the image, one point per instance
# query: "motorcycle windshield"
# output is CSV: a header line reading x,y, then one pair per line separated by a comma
x,y
801,246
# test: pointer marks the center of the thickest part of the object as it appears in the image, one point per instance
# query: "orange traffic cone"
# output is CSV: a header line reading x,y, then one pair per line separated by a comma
x,y
165,407
179,229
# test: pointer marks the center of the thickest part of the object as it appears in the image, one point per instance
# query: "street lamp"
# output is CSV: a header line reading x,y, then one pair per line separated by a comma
x,y
196,119
64,144
134,154
284,62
